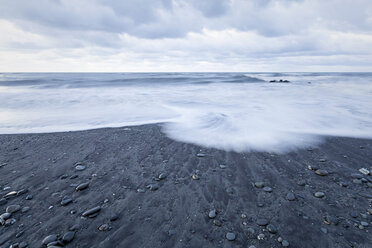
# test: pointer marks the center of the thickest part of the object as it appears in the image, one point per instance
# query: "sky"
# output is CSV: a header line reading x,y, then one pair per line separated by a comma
x,y
185,35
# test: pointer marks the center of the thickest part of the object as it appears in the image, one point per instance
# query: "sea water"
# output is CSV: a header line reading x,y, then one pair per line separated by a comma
x,y
230,111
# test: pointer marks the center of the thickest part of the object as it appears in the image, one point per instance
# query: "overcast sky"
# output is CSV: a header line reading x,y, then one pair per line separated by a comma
x,y
186,35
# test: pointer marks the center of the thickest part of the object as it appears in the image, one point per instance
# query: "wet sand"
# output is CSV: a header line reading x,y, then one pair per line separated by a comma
x,y
139,209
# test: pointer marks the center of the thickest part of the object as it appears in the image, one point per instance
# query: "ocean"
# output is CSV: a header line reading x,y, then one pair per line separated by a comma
x,y
230,111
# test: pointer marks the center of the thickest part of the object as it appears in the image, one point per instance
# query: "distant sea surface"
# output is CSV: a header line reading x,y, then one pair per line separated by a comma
x,y
230,111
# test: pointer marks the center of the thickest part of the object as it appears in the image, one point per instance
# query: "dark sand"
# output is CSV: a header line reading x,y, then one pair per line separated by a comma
x,y
119,161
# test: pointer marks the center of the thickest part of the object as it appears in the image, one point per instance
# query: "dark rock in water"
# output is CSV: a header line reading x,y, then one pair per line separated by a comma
x,y
230,236
212,214
68,237
262,222
49,239
271,228
290,196
82,186
92,211
321,172
200,155
3,201
267,189
13,208
66,200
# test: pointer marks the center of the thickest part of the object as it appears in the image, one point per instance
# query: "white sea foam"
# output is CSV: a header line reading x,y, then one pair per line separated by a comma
x,y
232,116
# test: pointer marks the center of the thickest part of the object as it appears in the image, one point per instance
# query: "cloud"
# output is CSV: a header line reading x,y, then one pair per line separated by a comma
x,y
174,34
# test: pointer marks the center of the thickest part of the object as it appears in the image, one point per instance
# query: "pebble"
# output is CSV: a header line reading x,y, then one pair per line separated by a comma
x,y
267,189
10,194
324,230
49,239
22,191
230,236
369,211
74,176
25,209
23,244
13,208
92,211
68,237
114,217
357,181
162,176
5,216
152,187
259,184
200,155
3,201
63,176
301,182
322,160
364,224
319,194
82,186
280,239
271,228
290,196
354,214
357,175
29,197
217,223
212,214
171,232
140,190
252,246
104,227
80,167
313,167
321,172
74,227
66,200
19,234
261,236
222,166
195,177
262,222
285,243
9,222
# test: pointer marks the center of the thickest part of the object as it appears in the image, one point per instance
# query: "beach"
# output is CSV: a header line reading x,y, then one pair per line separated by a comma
x,y
143,189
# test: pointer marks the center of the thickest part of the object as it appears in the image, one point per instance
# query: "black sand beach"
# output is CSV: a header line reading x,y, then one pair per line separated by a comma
x,y
137,209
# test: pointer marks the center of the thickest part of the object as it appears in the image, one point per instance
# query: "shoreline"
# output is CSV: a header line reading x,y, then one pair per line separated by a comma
x,y
121,167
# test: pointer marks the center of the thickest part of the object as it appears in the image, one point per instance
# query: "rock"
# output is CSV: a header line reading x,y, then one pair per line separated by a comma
x,y
319,194
331,220
5,216
267,189
82,186
104,227
324,230
252,246
29,197
357,175
259,185
262,222
261,236
114,217
74,176
80,167
162,176
195,177
68,237
75,227
200,155
243,216
171,232
357,181
290,196
364,224
365,195
19,234
22,191
222,166
141,191
271,228
3,201
23,244
91,211
63,176
322,160
49,239
364,171
217,223
313,167
301,182
321,172
152,187
25,209
10,221
369,210
230,236
10,194
212,214
354,214
13,208
66,200
285,243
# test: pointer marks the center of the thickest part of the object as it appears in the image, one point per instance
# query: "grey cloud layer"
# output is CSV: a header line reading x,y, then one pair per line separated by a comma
x,y
210,29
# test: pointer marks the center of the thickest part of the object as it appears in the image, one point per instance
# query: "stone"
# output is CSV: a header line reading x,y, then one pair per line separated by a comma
x,y
324,230
321,172
74,227
222,166
357,181
357,175
212,214
22,191
364,171
13,208
285,243
259,185
3,201
29,197
364,224
68,237
66,200
80,167
319,194
195,177
114,217
23,244
162,176
261,236
19,234
82,186
322,160
25,209
271,228
290,196
152,187
200,155
267,189
92,211
262,222
301,182
230,236
354,214
49,239
10,194
217,223
104,227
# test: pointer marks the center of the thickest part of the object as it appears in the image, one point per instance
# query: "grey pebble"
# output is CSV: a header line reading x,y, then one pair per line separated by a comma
x,y
271,228
22,191
68,237
301,182
324,230
80,167
217,223
267,189
29,197
230,236
290,196
82,186
285,243
321,172
13,208
104,227
200,155
66,200
49,239
259,184
319,194
212,214
162,176
357,181
74,227
92,211
25,209
153,187
262,222
363,223
23,244
3,201
114,217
